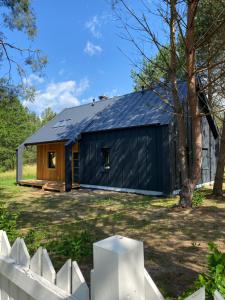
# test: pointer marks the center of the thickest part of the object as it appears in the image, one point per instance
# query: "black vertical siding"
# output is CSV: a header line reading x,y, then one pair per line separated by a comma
x,y
138,158
165,162
209,154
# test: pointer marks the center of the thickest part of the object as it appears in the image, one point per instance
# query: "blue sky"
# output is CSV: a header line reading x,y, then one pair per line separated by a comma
x,y
81,41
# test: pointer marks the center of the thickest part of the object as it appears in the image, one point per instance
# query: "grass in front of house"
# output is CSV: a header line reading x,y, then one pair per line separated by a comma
x,y
8,187
9,177
175,240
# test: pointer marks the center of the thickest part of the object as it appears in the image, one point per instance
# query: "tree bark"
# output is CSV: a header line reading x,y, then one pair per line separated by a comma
x,y
209,75
186,192
218,183
191,181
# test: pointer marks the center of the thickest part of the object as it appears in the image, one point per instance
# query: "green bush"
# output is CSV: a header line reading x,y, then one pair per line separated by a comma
x,y
198,198
214,278
8,221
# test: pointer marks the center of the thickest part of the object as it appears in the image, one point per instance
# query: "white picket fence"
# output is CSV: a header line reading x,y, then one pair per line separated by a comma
x,y
118,274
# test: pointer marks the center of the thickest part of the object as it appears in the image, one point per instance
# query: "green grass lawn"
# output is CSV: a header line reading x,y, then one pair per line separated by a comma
x,y
175,240
8,178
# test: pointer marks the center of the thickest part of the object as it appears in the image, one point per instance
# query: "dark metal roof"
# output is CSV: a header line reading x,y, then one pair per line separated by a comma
x,y
73,121
134,109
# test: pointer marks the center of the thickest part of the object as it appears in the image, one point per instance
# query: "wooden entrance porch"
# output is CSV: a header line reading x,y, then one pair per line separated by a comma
x,y
47,185
57,167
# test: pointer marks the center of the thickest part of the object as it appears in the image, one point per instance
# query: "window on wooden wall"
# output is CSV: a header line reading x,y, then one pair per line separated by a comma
x,y
106,158
51,160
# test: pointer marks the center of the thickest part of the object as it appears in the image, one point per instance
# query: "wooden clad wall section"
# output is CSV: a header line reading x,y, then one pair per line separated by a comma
x,y
43,172
75,147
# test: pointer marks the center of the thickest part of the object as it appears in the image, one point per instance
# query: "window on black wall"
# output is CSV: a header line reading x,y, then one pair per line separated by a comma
x,y
205,159
106,158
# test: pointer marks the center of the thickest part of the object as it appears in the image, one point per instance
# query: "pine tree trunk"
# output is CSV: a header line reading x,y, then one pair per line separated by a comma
x,y
218,183
190,175
178,109
209,79
186,194
194,173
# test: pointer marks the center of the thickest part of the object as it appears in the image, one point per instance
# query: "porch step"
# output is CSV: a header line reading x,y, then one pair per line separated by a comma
x,y
58,186
54,186
32,182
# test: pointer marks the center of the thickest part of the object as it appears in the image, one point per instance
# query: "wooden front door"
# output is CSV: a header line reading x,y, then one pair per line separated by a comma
x,y
76,167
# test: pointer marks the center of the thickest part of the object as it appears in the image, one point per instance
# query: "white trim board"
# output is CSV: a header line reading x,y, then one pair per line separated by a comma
x,y
124,190
198,186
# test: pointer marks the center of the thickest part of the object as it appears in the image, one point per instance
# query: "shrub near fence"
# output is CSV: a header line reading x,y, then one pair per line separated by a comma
x,y
118,274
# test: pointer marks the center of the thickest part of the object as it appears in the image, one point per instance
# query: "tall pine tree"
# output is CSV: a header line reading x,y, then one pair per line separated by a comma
x,y
16,124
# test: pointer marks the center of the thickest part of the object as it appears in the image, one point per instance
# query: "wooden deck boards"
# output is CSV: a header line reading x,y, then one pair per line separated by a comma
x,y
47,184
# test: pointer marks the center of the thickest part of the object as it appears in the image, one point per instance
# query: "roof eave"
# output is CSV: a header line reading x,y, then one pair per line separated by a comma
x,y
45,142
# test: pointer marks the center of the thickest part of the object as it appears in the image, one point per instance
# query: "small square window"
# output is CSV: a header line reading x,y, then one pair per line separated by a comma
x,y
106,158
205,159
51,160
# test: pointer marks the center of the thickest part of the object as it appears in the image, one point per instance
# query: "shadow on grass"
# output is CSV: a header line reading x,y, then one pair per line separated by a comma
x,y
175,241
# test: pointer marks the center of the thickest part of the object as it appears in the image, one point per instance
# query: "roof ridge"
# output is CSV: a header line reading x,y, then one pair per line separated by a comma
x,y
110,98
89,103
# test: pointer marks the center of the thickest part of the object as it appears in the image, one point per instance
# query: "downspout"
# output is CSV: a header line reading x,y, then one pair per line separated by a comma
x,y
19,163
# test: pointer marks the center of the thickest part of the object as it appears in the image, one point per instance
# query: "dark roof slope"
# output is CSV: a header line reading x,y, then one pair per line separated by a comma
x,y
134,109
137,109
69,123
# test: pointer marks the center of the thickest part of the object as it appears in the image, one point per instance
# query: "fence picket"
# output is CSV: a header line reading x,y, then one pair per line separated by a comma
x,y
79,286
151,290
24,256
36,262
198,295
48,271
5,247
15,250
218,296
12,291
63,277
4,288
4,295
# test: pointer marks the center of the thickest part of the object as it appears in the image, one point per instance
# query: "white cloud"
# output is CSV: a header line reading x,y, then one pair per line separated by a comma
x,y
32,78
94,25
83,86
92,49
58,96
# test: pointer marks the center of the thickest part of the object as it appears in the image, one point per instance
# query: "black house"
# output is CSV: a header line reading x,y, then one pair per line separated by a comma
x,y
126,143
